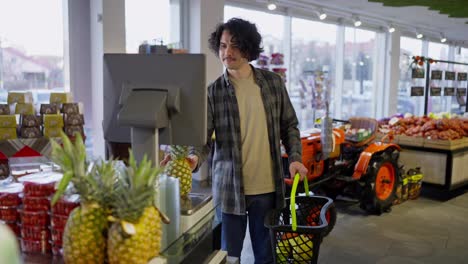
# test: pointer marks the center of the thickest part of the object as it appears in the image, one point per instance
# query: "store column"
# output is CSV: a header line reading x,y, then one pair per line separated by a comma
x,y
392,73
77,55
93,27
337,93
107,36
203,16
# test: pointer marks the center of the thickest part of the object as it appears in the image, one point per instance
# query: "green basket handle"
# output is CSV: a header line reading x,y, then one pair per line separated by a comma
x,y
292,199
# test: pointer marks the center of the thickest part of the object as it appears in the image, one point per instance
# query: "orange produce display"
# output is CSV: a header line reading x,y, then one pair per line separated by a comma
x,y
443,129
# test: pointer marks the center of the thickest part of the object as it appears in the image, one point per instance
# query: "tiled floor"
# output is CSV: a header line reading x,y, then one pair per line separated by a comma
x,y
415,232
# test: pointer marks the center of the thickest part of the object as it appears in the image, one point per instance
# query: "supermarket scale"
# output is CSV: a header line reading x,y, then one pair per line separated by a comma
x,y
191,222
183,213
194,209
152,100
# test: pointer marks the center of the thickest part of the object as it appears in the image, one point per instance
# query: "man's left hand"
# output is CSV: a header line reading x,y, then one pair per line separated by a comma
x,y
297,167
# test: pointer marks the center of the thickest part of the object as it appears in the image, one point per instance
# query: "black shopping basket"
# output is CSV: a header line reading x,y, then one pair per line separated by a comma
x,y
297,231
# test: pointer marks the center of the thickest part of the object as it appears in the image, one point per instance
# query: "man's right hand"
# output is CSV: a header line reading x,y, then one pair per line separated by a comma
x,y
192,159
166,159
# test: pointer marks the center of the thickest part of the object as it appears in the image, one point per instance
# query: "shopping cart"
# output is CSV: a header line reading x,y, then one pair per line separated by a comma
x,y
297,231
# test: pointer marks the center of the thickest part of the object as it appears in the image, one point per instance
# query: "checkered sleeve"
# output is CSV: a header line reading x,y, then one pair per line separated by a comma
x,y
202,152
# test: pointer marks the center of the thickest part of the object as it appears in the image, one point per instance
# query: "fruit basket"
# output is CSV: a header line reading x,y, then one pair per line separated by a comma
x,y
9,213
33,246
10,194
39,218
65,205
39,188
58,221
35,204
297,231
34,232
361,129
41,184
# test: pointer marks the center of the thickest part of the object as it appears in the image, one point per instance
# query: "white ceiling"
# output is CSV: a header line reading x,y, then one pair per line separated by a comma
x,y
412,16
407,19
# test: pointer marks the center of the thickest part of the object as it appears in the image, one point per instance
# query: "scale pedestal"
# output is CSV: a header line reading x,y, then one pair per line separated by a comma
x,y
199,231
192,209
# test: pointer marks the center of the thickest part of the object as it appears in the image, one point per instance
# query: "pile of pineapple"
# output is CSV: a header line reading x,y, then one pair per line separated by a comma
x,y
116,221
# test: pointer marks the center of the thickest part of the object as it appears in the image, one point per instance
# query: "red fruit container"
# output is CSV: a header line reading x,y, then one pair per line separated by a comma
x,y
40,184
57,235
32,203
65,205
10,194
39,218
14,227
9,213
32,246
58,221
37,233
38,189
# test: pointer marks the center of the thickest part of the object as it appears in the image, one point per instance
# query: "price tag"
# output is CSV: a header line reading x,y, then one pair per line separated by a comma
x,y
461,91
462,76
449,91
450,75
417,73
436,91
436,75
417,91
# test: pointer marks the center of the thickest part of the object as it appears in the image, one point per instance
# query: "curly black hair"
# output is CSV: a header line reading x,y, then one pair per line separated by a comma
x,y
244,33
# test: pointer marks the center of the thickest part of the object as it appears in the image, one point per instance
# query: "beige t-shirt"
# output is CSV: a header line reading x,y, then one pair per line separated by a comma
x,y
256,156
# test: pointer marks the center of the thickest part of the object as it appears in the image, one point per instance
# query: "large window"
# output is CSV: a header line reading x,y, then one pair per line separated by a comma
x,y
270,26
312,68
31,47
358,83
146,20
438,51
409,47
439,103
461,55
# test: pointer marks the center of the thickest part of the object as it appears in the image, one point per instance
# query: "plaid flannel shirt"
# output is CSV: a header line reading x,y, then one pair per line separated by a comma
x,y
223,119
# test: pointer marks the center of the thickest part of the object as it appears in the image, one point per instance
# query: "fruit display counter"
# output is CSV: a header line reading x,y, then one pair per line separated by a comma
x,y
437,145
198,244
101,212
445,168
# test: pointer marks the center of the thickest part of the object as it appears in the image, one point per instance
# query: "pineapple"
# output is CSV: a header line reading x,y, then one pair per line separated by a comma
x,y
84,238
179,167
135,235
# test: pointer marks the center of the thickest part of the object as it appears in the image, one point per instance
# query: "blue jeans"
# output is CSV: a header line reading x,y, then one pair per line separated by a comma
x,y
234,227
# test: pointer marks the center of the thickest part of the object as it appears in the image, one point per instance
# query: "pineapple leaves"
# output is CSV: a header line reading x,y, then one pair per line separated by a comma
x,y
140,171
135,190
125,193
107,172
58,156
80,146
67,145
61,156
86,178
62,186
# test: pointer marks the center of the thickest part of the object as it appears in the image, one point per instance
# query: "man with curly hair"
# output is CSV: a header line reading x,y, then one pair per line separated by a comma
x,y
251,114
